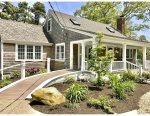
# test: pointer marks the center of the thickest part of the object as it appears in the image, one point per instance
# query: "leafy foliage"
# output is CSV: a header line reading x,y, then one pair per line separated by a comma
x,y
76,93
69,79
4,15
33,71
130,75
102,102
16,74
129,86
42,70
5,82
107,12
99,61
72,105
146,75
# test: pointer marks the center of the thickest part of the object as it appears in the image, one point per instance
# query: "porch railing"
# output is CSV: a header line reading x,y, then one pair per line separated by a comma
x,y
147,63
131,65
117,65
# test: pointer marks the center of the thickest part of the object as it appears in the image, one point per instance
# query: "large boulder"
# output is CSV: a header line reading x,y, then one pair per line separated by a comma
x,y
49,96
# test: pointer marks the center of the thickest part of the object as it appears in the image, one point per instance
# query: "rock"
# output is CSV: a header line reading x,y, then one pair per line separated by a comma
x,y
49,96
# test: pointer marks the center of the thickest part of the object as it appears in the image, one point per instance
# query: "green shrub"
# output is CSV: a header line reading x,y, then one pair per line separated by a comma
x,y
113,80
129,86
5,82
76,93
130,75
102,102
119,90
146,75
16,74
42,70
69,79
72,105
4,15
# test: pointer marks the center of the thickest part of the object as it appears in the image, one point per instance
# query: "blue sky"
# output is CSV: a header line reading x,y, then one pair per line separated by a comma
x,y
71,7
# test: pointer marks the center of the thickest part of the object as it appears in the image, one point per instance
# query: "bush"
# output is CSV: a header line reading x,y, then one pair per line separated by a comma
x,y
4,15
69,79
33,71
102,102
72,105
146,75
129,86
130,75
5,82
114,78
119,90
16,74
42,70
76,93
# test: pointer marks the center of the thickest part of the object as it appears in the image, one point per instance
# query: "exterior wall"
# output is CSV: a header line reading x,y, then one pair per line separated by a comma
x,y
9,58
60,35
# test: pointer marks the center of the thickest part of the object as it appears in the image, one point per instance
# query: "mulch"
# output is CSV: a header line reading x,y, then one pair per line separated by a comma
x,y
118,106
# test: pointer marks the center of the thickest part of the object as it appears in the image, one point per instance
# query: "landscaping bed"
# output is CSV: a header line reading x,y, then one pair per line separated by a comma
x,y
118,106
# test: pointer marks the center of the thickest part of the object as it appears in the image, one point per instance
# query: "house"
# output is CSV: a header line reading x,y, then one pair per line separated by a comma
x,y
64,38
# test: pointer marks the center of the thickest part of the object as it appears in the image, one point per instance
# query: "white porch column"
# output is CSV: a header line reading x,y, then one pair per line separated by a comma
x,y
23,69
78,56
124,56
144,57
83,57
71,55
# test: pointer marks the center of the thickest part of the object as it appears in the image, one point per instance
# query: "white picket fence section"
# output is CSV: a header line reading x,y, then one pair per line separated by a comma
x,y
117,65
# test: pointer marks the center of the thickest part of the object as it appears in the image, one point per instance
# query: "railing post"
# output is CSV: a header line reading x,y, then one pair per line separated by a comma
x,y
48,65
141,71
23,72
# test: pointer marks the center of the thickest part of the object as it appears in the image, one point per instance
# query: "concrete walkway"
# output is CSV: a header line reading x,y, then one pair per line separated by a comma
x,y
12,100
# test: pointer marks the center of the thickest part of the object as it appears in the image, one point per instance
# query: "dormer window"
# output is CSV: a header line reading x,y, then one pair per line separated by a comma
x,y
49,25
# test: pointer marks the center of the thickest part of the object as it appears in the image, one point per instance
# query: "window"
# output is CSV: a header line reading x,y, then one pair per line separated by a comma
x,y
21,51
49,25
28,52
60,51
129,53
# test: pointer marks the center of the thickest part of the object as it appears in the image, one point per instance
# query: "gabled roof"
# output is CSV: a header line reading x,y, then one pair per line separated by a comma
x,y
85,24
13,31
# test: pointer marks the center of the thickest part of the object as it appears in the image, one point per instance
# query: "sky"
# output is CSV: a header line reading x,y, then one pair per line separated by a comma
x,y
71,7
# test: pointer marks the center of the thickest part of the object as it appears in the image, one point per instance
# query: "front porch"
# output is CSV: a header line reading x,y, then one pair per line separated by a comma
x,y
125,55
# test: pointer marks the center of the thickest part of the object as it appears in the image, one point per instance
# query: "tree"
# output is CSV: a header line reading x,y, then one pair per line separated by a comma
x,y
23,7
142,38
107,12
39,10
99,62
11,10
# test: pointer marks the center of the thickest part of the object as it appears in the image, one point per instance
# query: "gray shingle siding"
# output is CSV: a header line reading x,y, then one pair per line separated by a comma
x,y
61,35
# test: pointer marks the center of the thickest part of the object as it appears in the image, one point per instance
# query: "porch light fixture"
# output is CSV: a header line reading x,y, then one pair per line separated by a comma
x,y
75,22
110,29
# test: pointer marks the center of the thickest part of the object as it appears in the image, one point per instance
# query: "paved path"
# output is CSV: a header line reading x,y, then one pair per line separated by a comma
x,y
12,100
144,104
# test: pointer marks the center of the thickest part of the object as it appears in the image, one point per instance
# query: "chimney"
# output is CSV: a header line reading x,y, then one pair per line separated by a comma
x,y
121,24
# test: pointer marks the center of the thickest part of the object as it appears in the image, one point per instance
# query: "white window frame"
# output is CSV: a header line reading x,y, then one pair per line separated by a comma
x,y
16,53
130,54
50,19
59,44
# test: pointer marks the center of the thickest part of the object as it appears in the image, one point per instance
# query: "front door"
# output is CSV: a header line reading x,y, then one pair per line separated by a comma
x,y
75,56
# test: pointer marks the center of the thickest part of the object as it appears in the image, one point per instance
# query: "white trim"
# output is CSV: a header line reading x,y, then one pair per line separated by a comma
x,y
25,59
71,55
50,19
2,61
59,44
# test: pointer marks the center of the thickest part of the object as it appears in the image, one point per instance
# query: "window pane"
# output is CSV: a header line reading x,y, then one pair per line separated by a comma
x,y
37,48
127,53
58,48
21,52
37,52
62,48
37,55
29,52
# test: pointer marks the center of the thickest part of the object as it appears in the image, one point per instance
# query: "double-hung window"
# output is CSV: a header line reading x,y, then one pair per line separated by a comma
x,y
60,51
28,52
